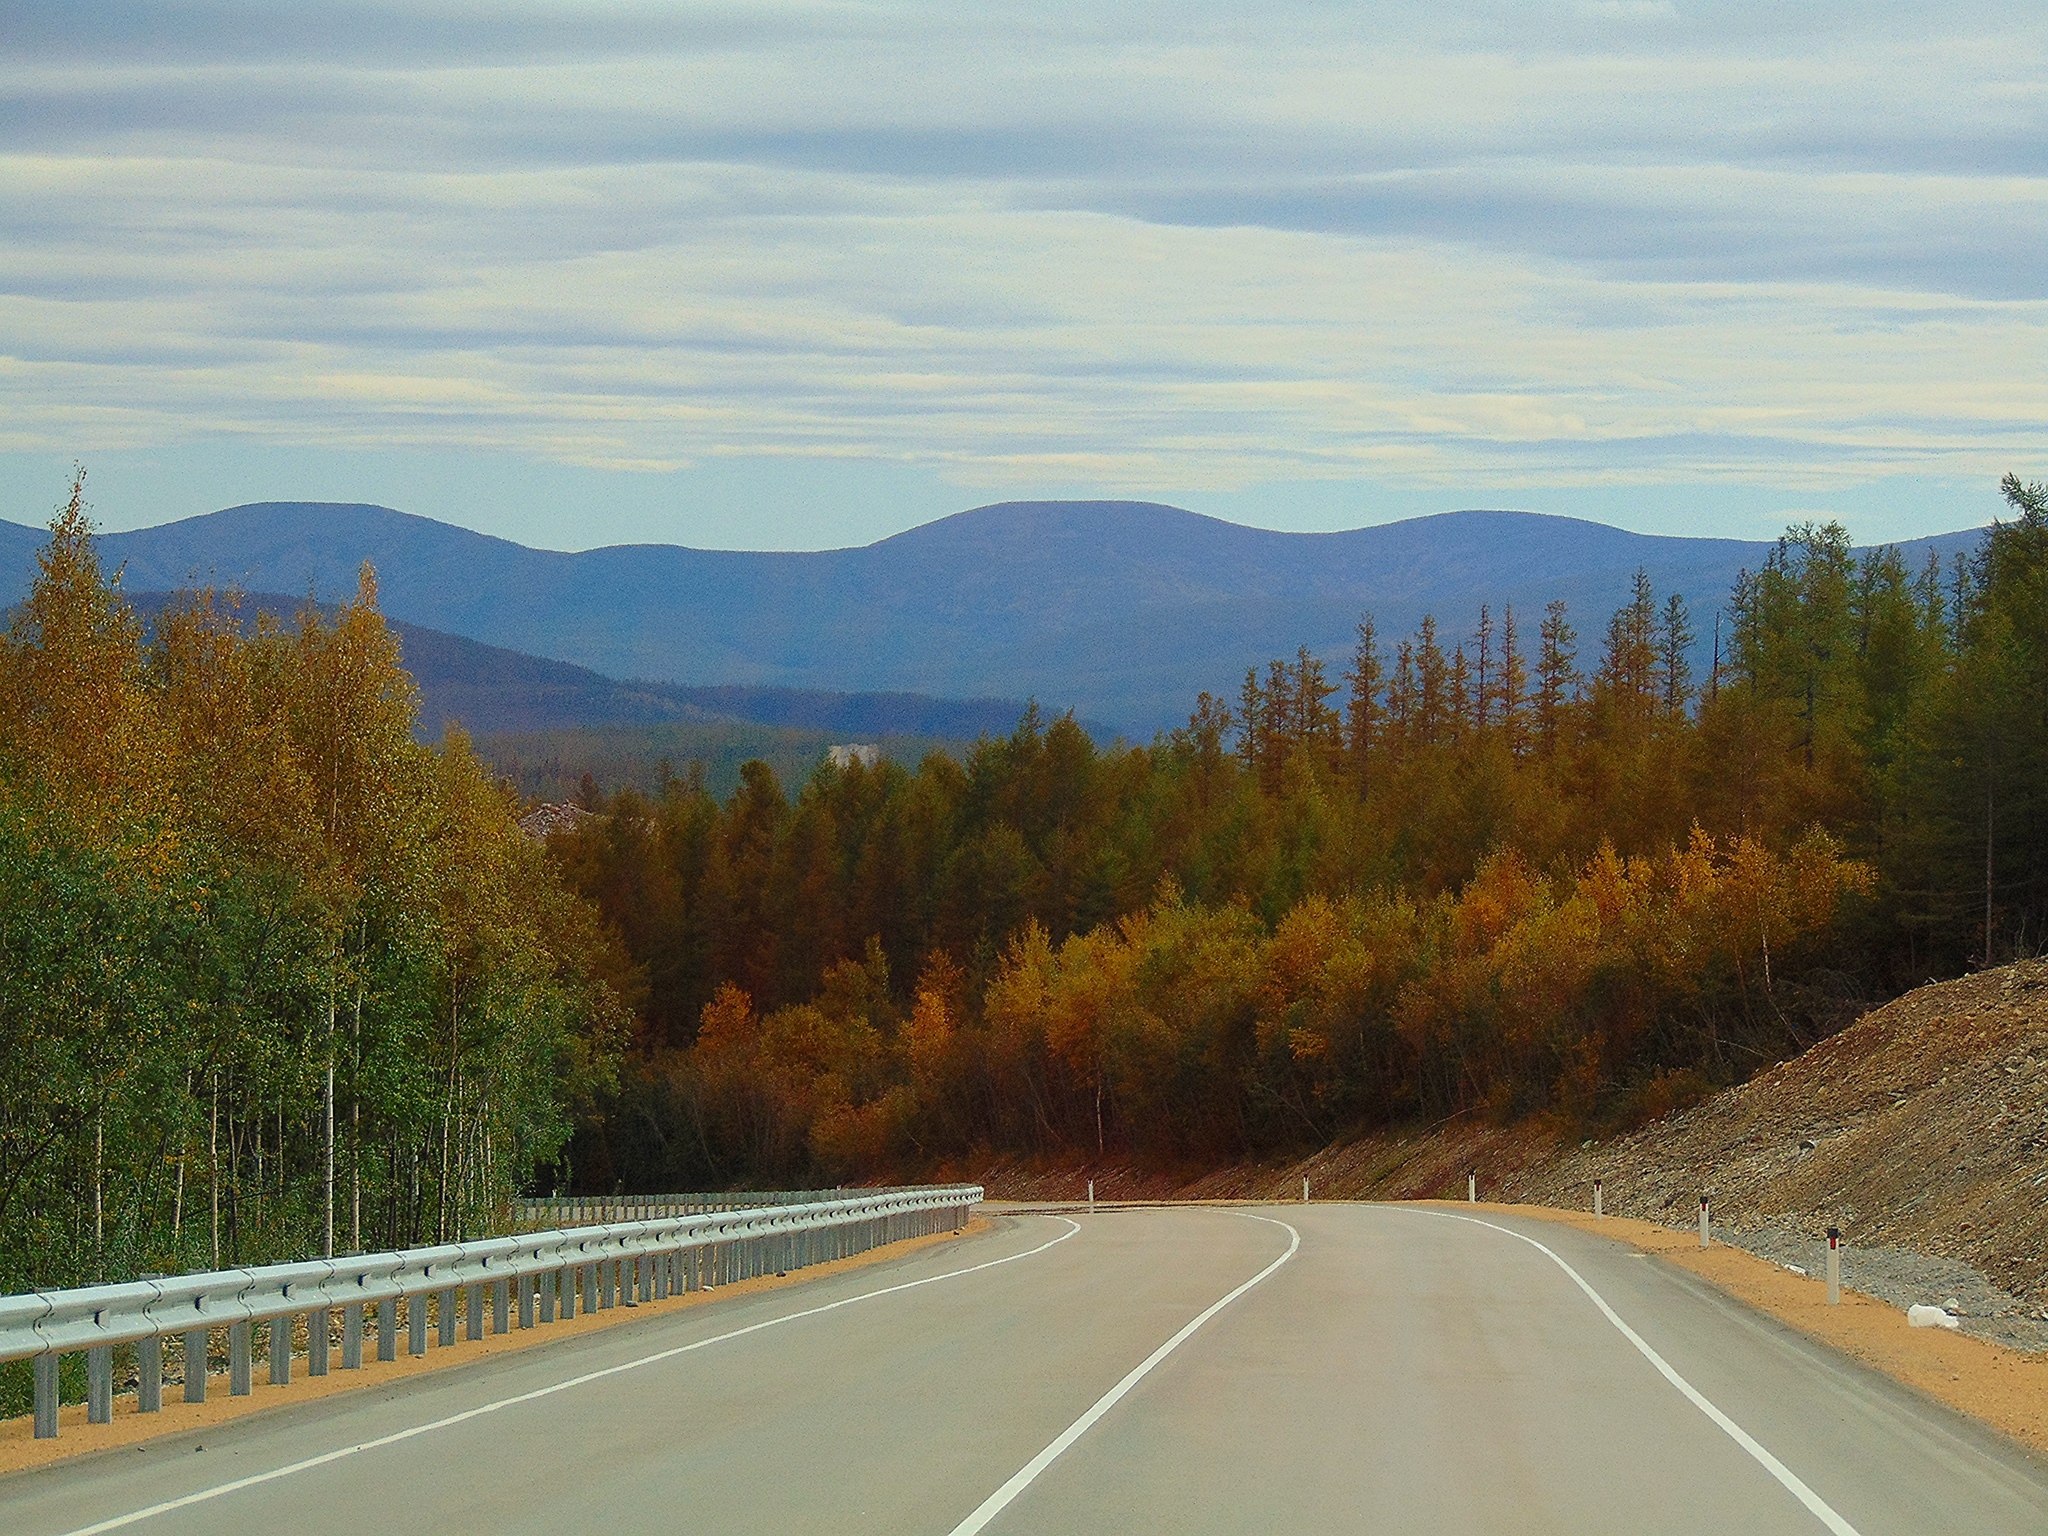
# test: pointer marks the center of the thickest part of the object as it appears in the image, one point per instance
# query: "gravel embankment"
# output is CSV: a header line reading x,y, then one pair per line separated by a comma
x,y
1903,1278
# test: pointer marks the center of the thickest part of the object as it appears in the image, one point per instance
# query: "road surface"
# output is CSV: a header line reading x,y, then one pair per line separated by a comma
x,y
1354,1368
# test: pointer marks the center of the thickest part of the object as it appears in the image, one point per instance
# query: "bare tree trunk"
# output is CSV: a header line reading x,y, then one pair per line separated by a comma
x,y
327,1204
99,1194
213,1166
448,1105
1990,959
355,1133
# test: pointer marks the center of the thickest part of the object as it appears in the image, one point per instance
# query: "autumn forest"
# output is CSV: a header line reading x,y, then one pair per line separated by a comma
x,y
1517,870
276,978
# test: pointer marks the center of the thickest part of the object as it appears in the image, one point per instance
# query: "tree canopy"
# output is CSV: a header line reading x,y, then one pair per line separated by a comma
x,y
1498,872
240,904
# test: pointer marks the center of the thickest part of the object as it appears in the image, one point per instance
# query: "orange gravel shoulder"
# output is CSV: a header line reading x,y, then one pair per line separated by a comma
x,y
20,1450
2000,1387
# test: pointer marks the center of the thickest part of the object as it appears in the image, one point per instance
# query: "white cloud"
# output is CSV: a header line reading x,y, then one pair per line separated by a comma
x,y
1182,250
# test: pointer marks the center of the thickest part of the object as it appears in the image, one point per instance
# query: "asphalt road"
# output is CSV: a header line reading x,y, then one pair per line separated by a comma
x,y
1401,1371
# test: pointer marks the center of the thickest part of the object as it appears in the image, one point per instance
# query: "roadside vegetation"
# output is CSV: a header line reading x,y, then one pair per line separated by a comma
x,y
251,928
265,961
1511,872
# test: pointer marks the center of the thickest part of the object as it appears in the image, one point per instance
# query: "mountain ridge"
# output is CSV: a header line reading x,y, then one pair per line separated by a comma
x,y
492,691
1121,611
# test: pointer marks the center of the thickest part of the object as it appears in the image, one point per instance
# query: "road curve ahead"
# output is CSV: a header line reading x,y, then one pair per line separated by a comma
x,y
1327,1368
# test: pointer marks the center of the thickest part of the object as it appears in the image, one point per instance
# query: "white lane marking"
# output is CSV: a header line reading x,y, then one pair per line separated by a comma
x,y
206,1494
996,1502
1816,1505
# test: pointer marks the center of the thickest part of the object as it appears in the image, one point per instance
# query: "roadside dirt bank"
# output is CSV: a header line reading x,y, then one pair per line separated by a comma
x,y
1921,1131
20,1450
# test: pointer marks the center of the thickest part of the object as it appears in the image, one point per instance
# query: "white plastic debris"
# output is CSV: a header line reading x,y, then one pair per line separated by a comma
x,y
1924,1316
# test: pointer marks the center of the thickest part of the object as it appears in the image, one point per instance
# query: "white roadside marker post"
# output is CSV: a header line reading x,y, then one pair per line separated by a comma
x,y
1304,1191
1598,1214
1472,1188
1834,1266
1091,1197
1705,1239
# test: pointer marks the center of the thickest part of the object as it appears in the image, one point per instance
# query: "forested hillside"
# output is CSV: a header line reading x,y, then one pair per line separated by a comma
x,y
1506,872
266,963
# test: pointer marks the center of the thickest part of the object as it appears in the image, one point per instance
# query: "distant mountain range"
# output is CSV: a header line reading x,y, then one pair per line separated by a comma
x,y
491,691
1120,611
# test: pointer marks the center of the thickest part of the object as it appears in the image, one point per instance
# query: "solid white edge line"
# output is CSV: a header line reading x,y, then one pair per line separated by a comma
x,y
996,1502
220,1490
1793,1484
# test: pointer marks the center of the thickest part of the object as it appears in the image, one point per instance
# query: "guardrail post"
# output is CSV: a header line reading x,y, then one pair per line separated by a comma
x,y
387,1328
241,1376
501,1306
99,1384
416,1324
318,1324
46,1397
195,1366
149,1371
352,1336
447,1318
547,1285
281,1351
529,1300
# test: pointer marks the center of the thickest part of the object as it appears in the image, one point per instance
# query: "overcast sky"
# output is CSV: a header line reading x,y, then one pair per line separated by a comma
x,y
803,275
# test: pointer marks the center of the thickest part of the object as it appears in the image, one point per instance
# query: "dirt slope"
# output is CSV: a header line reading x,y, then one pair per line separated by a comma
x,y
1922,1127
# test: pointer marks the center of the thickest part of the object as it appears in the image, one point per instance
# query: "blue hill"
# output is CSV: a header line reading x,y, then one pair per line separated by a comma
x,y
1118,610
490,691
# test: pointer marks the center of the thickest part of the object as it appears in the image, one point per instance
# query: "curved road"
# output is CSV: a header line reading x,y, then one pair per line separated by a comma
x,y
1369,1368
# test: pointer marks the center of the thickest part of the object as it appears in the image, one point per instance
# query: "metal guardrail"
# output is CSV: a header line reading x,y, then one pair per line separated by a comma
x,y
567,1210
542,1274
